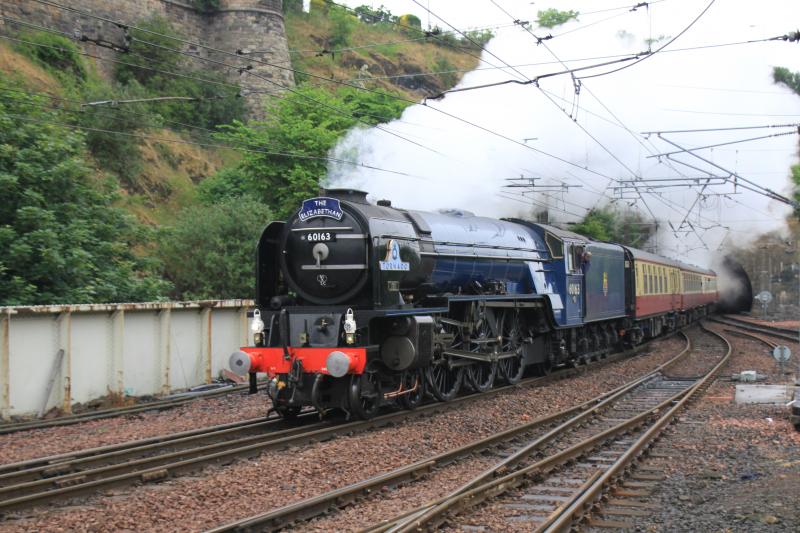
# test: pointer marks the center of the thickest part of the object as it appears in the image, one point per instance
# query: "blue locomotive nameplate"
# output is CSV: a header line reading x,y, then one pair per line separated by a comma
x,y
392,260
320,207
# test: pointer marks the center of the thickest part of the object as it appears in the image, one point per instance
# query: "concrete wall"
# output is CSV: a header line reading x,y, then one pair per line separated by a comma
x,y
131,349
252,25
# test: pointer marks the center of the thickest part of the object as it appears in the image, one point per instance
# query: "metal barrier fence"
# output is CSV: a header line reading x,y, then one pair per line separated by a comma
x,y
83,352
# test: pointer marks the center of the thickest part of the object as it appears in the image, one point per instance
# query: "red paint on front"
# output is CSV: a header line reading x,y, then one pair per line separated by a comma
x,y
272,361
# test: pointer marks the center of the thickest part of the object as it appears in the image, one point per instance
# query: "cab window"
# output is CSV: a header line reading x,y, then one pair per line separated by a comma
x,y
554,245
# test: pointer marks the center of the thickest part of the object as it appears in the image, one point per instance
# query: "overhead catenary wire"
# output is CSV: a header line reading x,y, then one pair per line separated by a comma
x,y
340,82
125,115
733,128
453,116
263,78
659,49
666,201
294,155
639,194
590,135
535,80
116,112
787,37
731,114
710,146
629,7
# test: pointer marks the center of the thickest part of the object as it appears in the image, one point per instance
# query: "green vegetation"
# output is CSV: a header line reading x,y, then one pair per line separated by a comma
x,y
208,253
606,224
342,26
367,62
282,182
104,196
63,240
57,54
410,23
552,17
786,77
153,65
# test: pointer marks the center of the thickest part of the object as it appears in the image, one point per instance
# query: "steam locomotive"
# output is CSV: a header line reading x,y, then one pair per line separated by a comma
x,y
360,304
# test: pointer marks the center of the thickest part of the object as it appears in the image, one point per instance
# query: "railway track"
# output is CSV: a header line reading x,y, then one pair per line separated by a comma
x,y
158,405
48,479
786,334
770,344
590,438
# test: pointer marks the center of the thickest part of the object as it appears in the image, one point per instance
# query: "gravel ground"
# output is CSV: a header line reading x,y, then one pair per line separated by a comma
x,y
791,324
273,479
729,467
393,502
750,354
232,407
707,350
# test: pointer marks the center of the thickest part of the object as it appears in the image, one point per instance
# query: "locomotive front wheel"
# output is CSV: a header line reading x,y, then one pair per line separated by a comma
x,y
411,379
481,375
365,395
444,382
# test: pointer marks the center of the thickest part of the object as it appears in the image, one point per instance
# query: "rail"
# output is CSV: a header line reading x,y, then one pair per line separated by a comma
x,y
322,503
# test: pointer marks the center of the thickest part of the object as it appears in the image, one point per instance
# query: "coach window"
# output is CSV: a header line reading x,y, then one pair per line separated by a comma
x,y
652,279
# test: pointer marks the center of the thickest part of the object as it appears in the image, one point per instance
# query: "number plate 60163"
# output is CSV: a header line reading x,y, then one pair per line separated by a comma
x,y
321,236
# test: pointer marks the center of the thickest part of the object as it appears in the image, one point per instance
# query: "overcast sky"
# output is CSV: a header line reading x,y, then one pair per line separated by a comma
x,y
593,139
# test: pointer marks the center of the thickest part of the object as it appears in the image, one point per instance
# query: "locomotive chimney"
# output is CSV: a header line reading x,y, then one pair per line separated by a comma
x,y
349,195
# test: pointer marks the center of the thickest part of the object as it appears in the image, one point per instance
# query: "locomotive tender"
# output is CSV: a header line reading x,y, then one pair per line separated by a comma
x,y
359,303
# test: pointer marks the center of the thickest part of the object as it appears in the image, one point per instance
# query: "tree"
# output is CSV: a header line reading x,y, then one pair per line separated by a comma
x,y
784,76
791,80
368,15
605,224
63,240
410,23
552,17
342,26
209,252
309,121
